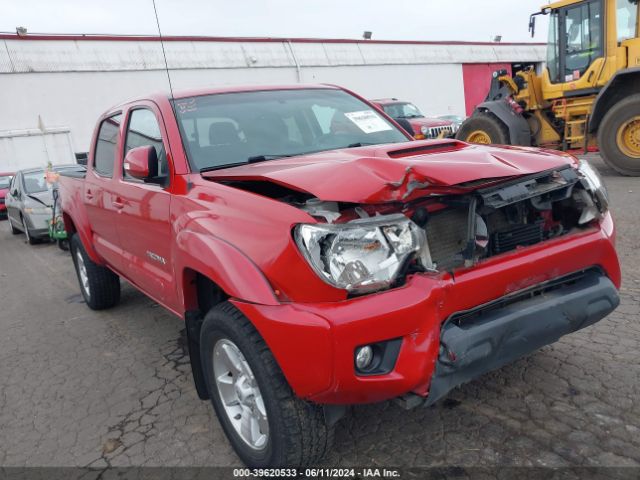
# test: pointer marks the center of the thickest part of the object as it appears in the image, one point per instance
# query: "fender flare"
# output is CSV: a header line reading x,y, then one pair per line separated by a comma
x,y
77,221
612,92
519,130
229,268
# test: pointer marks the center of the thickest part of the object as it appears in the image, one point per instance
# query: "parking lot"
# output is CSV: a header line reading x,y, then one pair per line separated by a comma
x,y
84,388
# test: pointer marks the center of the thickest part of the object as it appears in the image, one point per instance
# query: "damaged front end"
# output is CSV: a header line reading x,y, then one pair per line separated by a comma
x,y
366,248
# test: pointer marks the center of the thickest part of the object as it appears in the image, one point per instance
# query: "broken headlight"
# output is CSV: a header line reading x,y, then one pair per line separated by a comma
x,y
362,255
596,187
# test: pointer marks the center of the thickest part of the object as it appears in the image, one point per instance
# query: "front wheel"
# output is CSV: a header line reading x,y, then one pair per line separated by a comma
x,y
14,230
484,128
619,136
100,287
267,425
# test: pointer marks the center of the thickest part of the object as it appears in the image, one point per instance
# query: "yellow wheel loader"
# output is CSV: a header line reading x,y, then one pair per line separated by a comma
x,y
586,97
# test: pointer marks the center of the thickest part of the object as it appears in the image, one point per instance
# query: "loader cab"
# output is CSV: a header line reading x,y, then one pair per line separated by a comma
x,y
583,44
575,40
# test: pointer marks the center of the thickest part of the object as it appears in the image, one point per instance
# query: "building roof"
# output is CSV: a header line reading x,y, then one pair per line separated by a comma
x,y
201,38
37,53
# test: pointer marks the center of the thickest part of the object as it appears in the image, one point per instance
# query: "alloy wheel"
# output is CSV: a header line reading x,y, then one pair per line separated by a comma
x,y
240,394
82,273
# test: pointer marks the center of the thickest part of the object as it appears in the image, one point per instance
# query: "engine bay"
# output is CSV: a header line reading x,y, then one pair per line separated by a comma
x,y
462,230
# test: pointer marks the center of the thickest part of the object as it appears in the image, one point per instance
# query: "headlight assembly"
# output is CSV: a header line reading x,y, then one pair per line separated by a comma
x,y
38,210
362,255
595,185
424,130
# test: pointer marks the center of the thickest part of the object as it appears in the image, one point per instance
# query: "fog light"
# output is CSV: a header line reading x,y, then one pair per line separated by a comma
x,y
364,357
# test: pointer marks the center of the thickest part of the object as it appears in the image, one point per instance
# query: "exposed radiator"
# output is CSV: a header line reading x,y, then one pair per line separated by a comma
x,y
447,236
516,235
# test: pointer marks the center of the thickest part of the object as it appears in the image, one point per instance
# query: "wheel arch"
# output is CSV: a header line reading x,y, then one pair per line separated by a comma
x,y
84,235
201,294
202,256
207,279
620,86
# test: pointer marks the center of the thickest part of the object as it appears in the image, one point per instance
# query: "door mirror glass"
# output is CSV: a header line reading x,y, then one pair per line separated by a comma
x,y
141,162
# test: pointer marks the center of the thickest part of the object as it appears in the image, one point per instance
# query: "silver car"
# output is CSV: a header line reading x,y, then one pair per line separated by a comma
x,y
29,202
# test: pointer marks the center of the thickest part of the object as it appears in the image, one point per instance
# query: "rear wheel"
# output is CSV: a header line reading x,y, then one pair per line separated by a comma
x,y
619,136
267,425
483,128
100,287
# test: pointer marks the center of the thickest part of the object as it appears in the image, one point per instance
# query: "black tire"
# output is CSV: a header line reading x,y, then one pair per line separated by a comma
x,y
102,284
487,122
63,244
14,230
612,154
298,434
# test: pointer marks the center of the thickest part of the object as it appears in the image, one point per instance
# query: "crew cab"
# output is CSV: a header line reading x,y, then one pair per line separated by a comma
x,y
321,257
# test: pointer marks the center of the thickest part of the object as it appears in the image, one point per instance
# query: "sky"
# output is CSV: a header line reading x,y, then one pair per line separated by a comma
x,y
468,20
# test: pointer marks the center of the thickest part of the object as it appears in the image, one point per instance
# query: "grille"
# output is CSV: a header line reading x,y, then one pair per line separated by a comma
x,y
433,132
517,235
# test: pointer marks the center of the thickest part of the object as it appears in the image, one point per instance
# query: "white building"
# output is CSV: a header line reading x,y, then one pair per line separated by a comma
x,y
52,88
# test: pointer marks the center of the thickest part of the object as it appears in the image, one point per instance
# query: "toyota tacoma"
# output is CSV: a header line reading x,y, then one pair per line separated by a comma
x,y
321,257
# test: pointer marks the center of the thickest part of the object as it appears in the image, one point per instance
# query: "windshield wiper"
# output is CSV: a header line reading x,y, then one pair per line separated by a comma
x,y
255,159
360,144
221,167
264,158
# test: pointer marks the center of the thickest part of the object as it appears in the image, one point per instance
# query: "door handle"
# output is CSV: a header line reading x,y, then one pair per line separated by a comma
x,y
118,203
88,195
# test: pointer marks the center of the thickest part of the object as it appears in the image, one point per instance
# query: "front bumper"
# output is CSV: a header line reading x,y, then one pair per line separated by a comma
x,y
38,224
493,335
314,344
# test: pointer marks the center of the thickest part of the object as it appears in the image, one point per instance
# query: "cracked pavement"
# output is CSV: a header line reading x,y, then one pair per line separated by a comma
x,y
114,388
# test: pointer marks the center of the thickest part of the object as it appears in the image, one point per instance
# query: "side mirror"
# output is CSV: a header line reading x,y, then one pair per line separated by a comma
x,y
15,193
141,162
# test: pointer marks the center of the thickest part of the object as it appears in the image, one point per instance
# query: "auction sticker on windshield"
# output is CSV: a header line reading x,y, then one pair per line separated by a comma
x,y
368,121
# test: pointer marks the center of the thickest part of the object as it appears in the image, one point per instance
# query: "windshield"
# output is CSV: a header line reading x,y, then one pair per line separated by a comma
x,y
34,182
235,128
5,180
402,110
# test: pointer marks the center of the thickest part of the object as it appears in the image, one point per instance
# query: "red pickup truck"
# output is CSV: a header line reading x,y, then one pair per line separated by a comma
x,y
321,258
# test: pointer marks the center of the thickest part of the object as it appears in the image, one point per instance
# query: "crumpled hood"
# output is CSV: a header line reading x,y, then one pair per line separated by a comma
x,y
41,198
395,172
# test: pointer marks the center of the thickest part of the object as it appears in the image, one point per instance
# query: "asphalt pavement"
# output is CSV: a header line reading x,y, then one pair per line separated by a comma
x,y
114,388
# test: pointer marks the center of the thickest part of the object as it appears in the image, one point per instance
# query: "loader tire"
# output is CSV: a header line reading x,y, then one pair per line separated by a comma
x,y
619,136
483,128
